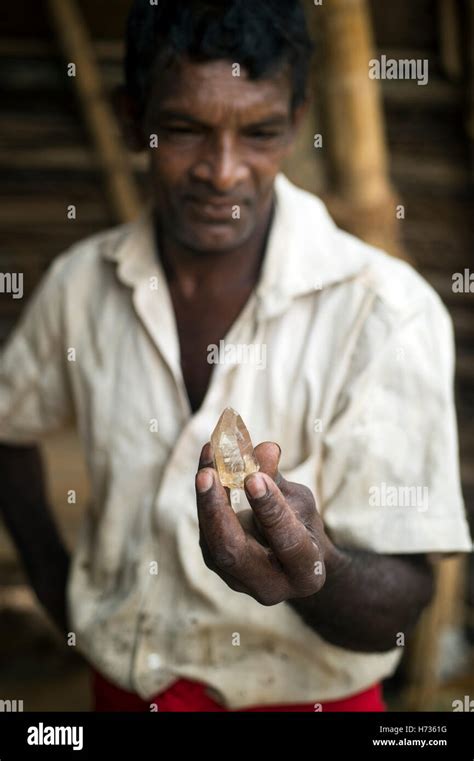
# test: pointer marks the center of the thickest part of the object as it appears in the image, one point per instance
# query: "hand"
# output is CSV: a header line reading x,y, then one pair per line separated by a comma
x,y
275,551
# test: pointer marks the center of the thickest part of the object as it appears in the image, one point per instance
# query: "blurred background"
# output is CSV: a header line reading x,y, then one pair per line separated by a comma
x,y
391,158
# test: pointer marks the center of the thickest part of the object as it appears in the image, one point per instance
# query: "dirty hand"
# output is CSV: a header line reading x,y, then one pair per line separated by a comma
x,y
276,550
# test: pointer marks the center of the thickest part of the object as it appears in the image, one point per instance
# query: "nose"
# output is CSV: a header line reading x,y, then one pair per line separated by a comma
x,y
220,163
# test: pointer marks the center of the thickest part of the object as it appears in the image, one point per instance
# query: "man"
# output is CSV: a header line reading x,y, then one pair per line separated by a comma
x,y
278,605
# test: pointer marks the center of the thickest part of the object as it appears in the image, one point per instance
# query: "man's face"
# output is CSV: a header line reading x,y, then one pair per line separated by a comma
x,y
221,141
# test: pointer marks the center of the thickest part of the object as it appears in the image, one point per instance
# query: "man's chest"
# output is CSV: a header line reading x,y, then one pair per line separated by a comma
x,y
130,392
201,324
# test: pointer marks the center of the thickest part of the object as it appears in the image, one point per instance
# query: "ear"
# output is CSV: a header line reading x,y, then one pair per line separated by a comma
x,y
299,114
127,112
296,119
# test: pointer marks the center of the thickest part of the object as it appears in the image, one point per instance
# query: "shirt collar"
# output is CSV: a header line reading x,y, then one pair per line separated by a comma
x,y
305,252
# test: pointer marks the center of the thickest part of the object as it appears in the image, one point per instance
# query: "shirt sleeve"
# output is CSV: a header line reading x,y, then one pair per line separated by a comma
x,y
34,389
390,478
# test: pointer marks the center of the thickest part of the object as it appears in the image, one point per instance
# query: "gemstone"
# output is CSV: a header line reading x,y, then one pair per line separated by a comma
x,y
234,457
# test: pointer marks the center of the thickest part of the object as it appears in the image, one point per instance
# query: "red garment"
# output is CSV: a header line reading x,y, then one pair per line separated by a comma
x,y
186,695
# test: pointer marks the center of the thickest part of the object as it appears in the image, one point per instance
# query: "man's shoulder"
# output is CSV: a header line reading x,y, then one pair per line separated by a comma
x,y
394,281
89,256
351,263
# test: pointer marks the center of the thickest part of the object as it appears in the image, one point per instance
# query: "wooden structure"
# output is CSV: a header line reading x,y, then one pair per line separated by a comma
x,y
359,193
363,123
77,49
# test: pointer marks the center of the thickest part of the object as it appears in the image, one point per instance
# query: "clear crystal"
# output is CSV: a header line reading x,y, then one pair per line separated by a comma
x,y
234,457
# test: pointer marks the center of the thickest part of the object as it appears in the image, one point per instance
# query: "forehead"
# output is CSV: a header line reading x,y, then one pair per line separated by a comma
x,y
212,91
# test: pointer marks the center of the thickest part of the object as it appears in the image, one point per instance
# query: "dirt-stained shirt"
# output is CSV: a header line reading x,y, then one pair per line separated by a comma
x,y
342,355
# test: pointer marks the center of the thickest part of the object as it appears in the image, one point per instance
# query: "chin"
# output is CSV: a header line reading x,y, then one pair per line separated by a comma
x,y
215,239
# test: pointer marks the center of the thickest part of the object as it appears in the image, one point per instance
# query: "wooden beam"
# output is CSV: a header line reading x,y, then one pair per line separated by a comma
x,y
23,47
79,158
78,49
470,80
422,661
449,30
351,103
360,196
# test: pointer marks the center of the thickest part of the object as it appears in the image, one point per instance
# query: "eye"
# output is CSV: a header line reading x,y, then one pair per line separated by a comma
x,y
262,134
181,130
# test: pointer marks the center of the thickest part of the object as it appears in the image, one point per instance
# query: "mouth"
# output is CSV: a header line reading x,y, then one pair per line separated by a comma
x,y
213,209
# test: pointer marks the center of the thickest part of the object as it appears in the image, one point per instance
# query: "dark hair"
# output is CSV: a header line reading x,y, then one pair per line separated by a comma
x,y
261,35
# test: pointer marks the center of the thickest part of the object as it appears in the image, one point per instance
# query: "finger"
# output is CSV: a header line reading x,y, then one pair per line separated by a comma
x,y
268,583
268,457
206,459
285,533
267,453
229,580
218,522
249,523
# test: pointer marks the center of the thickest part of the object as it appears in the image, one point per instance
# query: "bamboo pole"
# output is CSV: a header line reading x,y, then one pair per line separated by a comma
x,y
422,661
77,48
360,197
352,105
449,32
470,80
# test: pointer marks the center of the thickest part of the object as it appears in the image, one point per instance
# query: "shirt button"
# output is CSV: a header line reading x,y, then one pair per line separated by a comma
x,y
154,661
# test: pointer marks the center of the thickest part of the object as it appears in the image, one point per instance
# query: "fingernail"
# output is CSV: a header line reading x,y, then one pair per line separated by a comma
x,y
203,481
257,487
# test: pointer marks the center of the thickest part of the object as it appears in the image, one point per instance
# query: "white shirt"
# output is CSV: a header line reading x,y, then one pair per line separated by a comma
x,y
356,387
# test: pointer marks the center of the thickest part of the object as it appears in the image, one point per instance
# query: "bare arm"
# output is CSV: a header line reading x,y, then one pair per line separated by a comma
x,y
279,552
368,599
28,518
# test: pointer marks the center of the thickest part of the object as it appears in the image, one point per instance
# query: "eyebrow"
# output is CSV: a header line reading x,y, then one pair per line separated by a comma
x,y
271,121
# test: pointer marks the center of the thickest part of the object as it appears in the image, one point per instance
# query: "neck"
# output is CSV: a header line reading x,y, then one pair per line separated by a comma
x,y
189,271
